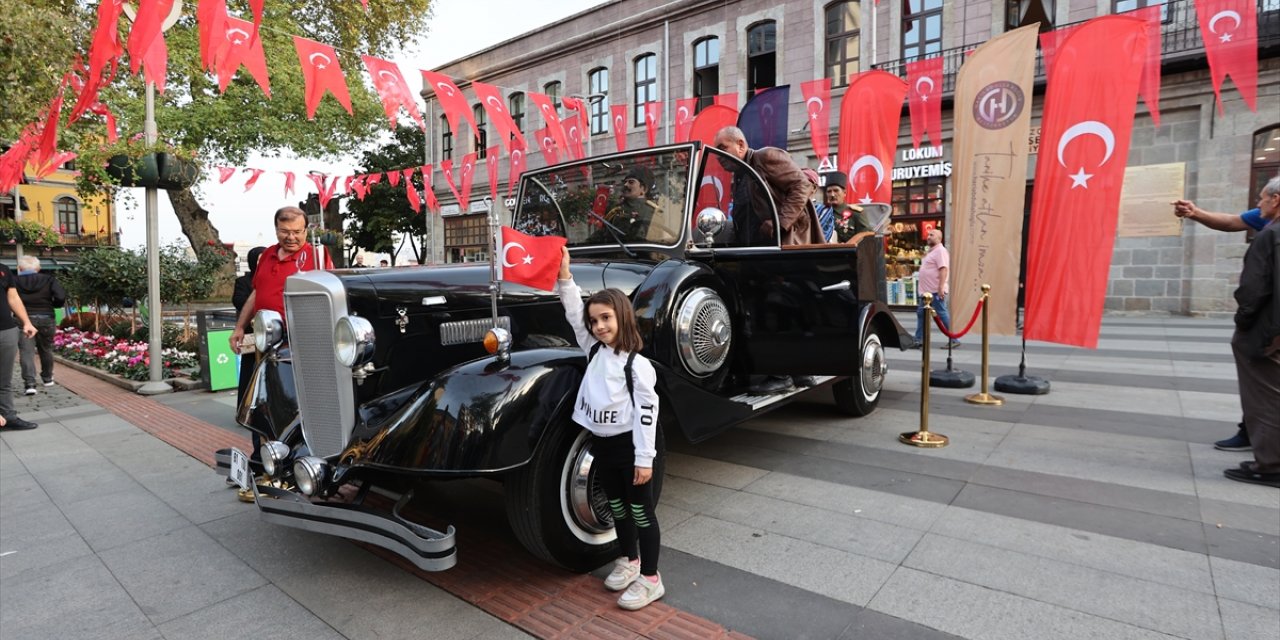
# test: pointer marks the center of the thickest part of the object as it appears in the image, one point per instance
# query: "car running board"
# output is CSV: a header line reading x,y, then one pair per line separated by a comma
x,y
757,401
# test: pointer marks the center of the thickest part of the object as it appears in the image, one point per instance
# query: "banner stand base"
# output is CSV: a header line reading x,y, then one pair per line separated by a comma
x,y
1023,385
951,379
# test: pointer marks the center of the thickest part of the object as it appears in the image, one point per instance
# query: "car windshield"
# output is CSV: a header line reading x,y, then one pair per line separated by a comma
x,y
639,198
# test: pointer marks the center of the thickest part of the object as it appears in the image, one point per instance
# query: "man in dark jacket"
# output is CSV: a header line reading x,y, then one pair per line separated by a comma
x,y
786,187
41,293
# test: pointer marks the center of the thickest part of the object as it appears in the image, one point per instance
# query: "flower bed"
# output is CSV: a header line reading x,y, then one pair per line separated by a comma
x,y
125,358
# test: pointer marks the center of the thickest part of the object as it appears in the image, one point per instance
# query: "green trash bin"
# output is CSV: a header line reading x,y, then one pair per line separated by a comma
x,y
219,365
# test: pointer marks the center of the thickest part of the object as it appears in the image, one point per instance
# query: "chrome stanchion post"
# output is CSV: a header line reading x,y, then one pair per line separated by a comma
x,y
923,437
983,397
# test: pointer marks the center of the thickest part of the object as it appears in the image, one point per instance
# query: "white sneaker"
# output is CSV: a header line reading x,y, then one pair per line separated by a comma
x,y
623,574
48,383
31,391
641,593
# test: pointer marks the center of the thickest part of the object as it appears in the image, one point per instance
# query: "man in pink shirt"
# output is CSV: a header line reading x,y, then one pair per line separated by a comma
x,y
933,279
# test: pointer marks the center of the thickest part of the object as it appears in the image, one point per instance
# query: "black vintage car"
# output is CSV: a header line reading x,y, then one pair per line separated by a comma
x,y
388,378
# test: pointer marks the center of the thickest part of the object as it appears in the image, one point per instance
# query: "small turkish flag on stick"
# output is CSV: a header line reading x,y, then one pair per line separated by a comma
x,y
533,261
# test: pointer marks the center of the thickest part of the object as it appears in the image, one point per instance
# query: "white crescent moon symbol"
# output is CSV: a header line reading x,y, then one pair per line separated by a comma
x,y
493,100
444,88
506,248
387,74
1213,22
810,101
1088,127
517,155
312,58
715,182
924,79
682,114
238,30
868,161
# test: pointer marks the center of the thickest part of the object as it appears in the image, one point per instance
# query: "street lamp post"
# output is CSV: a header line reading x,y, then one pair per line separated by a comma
x,y
155,350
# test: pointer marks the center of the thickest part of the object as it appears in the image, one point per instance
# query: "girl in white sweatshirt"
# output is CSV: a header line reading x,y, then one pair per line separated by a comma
x,y
618,404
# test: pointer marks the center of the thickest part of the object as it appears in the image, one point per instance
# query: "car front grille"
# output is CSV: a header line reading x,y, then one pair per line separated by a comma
x,y
326,399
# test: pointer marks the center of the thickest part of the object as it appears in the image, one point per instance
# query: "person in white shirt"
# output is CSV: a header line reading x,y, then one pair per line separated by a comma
x,y
933,279
618,404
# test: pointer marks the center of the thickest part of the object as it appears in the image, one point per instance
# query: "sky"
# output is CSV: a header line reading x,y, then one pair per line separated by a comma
x,y
455,30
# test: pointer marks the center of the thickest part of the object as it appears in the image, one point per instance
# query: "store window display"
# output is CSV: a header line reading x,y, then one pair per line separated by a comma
x,y
919,205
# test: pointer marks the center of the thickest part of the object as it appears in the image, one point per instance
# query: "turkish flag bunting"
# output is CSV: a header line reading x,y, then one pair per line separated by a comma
x,y
211,18
48,145
347,182
255,8
573,132
518,152
651,121
547,143
685,111
491,97
715,189
288,183
446,167
104,54
869,115
373,178
1149,88
491,163
320,72
619,114
817,101
533,261
239,47
575,104
1230,32
551,117
253,178
143,36
468,171
428,191
392,89
56,161
1084,143
410,191
727,100
358,187
393,178
225,173
924,100
325,190
452,101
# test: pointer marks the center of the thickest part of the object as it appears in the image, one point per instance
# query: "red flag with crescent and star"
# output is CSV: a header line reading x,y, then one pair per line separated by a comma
x,y
715,189
1230,32
651,121
211,17
238,47
686,109
869,116
146,40
924,100
468,172
619,114
491,163
817,97
321,73
548,145
533,261
518,162
1084,144
454,104
446,168
254,174
573,131
393,178
575,104
428,190
491,97
104,55
410,191
552,117
392,89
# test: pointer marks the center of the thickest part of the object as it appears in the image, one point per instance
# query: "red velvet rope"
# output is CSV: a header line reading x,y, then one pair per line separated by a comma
x,y
967,327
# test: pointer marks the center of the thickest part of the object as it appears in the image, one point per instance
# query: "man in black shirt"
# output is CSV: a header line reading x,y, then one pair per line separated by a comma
x,y
10,309
41,294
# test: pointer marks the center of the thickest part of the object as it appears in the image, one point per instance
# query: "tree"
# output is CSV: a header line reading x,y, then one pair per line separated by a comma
x,y
37,46
227,128
370,222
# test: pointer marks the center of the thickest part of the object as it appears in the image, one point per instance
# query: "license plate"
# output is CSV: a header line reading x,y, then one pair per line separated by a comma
x,y
240,469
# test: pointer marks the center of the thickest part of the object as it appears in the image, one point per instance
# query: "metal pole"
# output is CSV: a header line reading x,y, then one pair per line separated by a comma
x,y
923,437
17,216
155,349
983,397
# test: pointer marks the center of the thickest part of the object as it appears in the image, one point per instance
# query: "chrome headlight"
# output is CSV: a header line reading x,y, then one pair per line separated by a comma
x,y
268,330
274,454
353,341
310,474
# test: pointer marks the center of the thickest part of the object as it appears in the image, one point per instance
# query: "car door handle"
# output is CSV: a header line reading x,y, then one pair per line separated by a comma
x,y
843,285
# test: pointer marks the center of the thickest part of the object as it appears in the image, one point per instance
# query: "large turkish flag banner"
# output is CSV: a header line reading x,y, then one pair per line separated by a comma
x,y
533,261
547,143
468,172
619,114
320,73
685,111
1230,32
817,101
924,100
237,47
518,151
1084,144
869,115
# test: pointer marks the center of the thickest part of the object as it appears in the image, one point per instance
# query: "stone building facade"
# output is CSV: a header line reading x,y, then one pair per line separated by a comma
x,y
1222,158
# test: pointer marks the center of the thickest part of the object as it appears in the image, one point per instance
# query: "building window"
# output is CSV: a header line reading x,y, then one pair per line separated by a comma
x,y
598,88
515,106
921,28
1020,13
1266,161
706,71
7,211
843,40
446,139
481,139
68,215
920,197
762,56
1121,6
646,84
552,90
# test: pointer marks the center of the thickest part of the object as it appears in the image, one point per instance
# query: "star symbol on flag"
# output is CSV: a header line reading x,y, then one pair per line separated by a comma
x,y
924,98
866,199
1226,37
1080,179
528,259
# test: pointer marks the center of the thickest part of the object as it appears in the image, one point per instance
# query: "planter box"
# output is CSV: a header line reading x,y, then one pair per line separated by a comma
x,y
179,384
176,173
157,170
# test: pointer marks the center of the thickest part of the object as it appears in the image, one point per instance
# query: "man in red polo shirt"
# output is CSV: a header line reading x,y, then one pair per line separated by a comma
x,y
290,255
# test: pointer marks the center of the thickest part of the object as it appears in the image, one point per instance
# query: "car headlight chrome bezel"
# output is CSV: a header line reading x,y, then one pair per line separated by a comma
x,y
274,454
310,474
268,330
353,341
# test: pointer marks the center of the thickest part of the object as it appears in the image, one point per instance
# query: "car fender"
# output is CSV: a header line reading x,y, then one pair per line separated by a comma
x,y
271,402
479,417
875,317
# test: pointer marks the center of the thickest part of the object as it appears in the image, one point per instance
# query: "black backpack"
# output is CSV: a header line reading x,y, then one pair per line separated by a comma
x,y
631,357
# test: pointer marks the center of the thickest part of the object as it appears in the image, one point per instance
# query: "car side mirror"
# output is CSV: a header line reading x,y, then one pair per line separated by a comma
x,y
711,222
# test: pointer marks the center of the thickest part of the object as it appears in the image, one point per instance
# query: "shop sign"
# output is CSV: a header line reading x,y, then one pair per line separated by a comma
x,y
935,170
478,206
1033,140
450,210
923,153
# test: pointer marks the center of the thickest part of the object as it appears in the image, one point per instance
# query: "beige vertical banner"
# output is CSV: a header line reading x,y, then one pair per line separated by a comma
x,y
992,116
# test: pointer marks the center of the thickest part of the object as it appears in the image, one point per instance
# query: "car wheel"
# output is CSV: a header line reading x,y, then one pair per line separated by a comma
x,y
556,506
859,394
